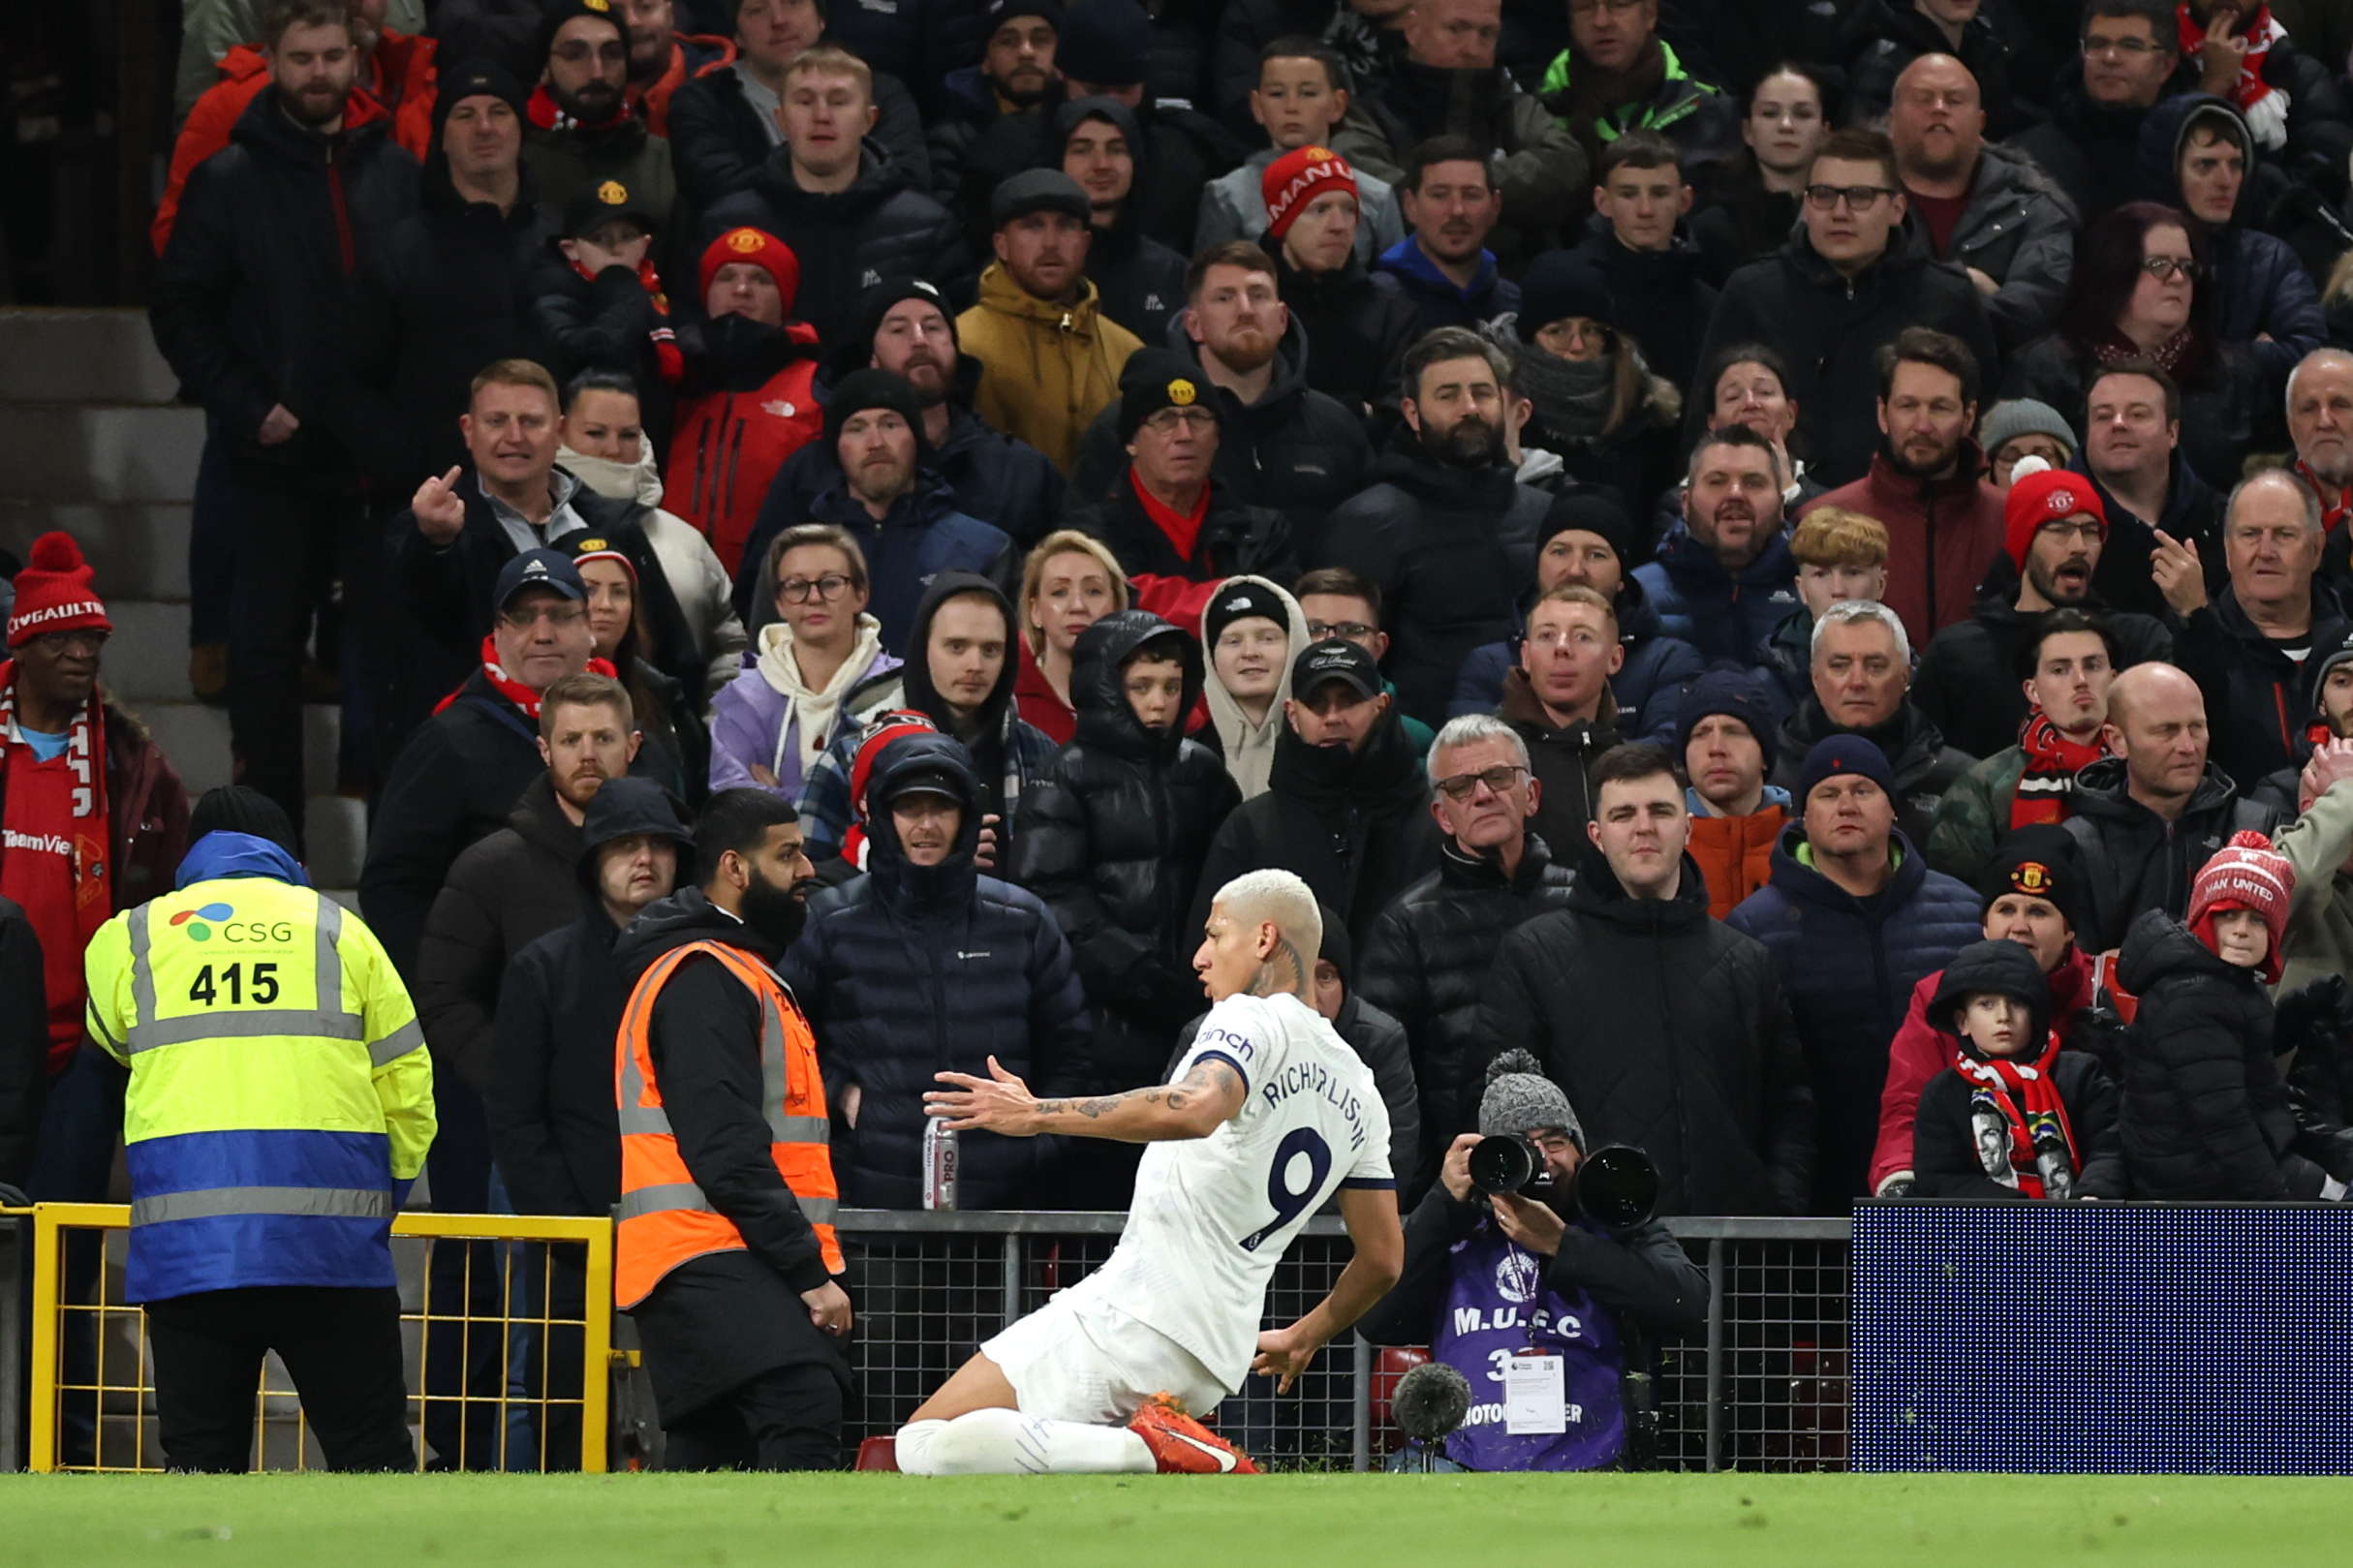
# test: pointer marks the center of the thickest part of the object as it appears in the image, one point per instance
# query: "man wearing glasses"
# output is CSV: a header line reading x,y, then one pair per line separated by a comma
x,y
2091,144
582,131
1841,290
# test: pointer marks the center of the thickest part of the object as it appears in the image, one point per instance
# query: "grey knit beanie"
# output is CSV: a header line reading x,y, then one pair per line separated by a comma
x,y
1520,1098
2025,416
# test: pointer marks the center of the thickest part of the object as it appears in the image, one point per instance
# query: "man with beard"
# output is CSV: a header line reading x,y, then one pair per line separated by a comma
x,y
2320,421
1444,512
1443,267
259,267
2056,531
1944,522
2132,454
1725,577
726,1255
583,132
1016,73
663,59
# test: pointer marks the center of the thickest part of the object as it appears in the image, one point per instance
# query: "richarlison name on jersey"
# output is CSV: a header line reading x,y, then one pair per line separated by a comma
x,y
1313,1079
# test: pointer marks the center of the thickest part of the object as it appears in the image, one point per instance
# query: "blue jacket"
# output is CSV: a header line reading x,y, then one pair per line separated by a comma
x,y
923,535
1722,616
910,971
1405,269
1655,664
1848,966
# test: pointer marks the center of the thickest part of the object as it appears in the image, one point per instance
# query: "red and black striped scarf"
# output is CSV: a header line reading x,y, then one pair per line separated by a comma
x,y
2052,761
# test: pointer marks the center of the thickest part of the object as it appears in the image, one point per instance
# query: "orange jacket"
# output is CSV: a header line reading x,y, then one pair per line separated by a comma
x,y
400,84
652,102
666,1220
1735,854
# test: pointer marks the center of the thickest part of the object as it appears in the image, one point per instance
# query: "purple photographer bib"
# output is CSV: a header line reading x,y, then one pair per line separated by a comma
x,y
1498,1305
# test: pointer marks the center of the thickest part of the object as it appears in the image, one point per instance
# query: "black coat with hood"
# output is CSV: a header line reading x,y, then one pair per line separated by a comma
x,y
2258,701
2134,861
1356,827
1559,755
1140,281
908,971
1663,302
1968,687
1667,1030
1113,839
1924,766
1357,331
604,323
2206,1118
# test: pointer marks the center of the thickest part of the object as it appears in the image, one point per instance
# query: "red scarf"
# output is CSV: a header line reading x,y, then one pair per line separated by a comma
x,y
667,357
2041,1155
2258,32
1183,532
514,690
2052,763
544,111
55,854
2178,356
2332,510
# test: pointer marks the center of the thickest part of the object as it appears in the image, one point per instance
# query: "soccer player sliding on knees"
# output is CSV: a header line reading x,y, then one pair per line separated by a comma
x,y
1267,1114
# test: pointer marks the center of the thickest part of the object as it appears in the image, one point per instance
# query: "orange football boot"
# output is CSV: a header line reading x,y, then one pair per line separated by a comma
x,y
1182,1446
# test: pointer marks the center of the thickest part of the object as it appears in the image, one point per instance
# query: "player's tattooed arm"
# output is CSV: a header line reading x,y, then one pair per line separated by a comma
x,y
1192,1107
1282,972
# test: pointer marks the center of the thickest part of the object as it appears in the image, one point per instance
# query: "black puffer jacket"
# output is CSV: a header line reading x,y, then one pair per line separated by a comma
x,y
1357,332
910,971
719,144
1667,1030
1925,767
2206,1115
1356,828
271,230
1967,686
1113,839
884,226
2134,860
1426,962
1235,540
1451,551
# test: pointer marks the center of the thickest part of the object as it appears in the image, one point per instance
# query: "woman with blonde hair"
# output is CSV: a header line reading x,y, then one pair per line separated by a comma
x,y
1069,582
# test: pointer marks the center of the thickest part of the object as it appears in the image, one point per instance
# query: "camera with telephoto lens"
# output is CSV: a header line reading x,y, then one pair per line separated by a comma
x,y
1616,1187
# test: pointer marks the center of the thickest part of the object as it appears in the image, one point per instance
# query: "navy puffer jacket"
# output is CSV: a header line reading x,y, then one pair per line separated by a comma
x,y
906,972
1848,966
1722,615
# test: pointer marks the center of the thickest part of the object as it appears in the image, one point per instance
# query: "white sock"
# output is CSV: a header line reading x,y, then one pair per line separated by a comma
x,y
1007,1442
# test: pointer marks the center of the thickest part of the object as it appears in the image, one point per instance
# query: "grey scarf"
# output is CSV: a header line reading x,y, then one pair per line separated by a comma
x,y
1572,396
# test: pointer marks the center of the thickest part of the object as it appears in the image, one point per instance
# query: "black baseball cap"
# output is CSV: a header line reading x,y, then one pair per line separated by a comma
x,y
601,203
1335,660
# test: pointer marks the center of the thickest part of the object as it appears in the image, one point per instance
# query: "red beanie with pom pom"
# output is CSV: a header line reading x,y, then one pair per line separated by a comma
x,y
53,592
2047,496
2245,873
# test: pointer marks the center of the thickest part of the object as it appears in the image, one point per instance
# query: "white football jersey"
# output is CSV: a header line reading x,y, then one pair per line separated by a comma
x,y
1213,1216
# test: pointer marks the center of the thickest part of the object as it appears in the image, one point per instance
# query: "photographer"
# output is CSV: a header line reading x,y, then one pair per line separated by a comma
x,y
1525,1273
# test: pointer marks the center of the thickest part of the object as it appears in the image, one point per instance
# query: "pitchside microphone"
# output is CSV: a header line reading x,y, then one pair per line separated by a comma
x,y
1431,1401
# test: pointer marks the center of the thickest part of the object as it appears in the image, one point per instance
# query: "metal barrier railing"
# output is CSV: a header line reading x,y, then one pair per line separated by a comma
x,y
541,1400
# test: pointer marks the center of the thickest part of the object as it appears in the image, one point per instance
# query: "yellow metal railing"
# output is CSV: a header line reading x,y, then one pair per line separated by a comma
x,y
524,1323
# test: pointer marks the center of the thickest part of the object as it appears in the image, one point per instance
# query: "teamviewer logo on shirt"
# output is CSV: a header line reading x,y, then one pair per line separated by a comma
x,y
195,920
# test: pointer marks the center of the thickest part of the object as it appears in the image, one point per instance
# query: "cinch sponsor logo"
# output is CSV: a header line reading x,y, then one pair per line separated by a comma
x,y
195,920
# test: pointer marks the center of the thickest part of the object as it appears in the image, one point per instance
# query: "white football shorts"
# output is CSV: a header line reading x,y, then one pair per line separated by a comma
x,y
1078,1358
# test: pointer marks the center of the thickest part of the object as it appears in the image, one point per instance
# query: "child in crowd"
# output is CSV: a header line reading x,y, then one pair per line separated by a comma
x,y
598,304
1301,98
1841,555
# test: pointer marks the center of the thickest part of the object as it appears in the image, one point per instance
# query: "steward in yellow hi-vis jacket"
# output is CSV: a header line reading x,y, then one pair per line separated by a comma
x,y
280,1105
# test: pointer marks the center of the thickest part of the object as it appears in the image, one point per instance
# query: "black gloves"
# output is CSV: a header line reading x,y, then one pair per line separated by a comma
x,y
2317,1014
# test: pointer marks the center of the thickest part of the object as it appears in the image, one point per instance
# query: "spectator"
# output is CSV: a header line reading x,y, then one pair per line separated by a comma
x,y
2091,145
1638,239
2198,156
1426,959
1279,445
1758,193
1446,514
662,59
1724,579
1669,1027
2015,1117
963,684
1618,76
1443,81
2320,424
217,38
1338,603
1841,291
1594,403
2249,649
1862,687
1114,837
924,964
1587,539
1557,702
1345,803
2291,103
1459,1250
1443,267
724,125
1069,582
1839,555
771,724
2317,844
1255,632
2145,816
2205,1116
989,99
1943,521
1897,35
582,131
1142,280
1050,358
2019,429
1300,95
1750,387
268,238
1972,673
2066,660
599,303
2132,454
1725,737
850,211
749,398
2136,294
2030,892
1359,330
1988,210
440,293
1853,918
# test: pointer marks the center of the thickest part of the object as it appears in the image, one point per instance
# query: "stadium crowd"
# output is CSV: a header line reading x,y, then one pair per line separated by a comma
x,y
1781,566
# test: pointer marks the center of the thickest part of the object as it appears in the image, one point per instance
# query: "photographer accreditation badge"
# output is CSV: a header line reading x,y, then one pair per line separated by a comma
x,y
1535,1398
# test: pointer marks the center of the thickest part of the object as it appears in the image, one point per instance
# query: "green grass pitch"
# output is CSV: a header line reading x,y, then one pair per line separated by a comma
x,y
1358,1521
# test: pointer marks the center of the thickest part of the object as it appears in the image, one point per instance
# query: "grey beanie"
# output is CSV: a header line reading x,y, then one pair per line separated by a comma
x,y
1519,1097
2025,416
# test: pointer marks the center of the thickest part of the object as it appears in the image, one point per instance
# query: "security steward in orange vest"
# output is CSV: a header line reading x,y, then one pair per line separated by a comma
x,y
726,1256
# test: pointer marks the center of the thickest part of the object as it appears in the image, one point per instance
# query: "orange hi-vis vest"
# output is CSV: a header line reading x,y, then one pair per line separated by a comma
x,y
666,1219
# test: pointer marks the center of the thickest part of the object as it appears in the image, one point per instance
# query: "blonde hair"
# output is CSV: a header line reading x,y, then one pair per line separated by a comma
x,y
831,60
1283,898
1579,594
1834,536
1064,541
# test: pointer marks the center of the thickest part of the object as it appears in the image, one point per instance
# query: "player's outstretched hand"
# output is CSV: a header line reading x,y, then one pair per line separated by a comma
x,y
1282,1355
998,1103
